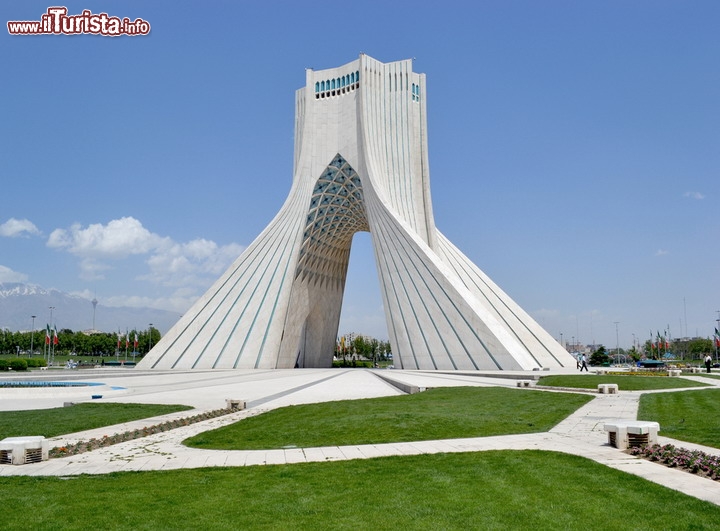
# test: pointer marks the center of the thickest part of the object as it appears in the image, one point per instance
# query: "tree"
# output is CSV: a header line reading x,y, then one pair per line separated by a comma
x,y
634,354
698,348
600,356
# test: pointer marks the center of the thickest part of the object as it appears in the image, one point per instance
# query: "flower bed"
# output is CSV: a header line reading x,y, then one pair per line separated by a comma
x,y
93,444
693,461
645,372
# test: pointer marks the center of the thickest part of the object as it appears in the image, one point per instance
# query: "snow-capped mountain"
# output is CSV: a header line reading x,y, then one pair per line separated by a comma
x,y
19,302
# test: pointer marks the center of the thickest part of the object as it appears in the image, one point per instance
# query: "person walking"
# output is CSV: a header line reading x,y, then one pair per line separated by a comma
x,y
583,363
708,362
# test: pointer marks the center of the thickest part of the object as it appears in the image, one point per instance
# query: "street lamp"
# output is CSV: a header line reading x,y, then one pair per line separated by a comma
x,y
150,337
49,345
716,337
32,336
617,340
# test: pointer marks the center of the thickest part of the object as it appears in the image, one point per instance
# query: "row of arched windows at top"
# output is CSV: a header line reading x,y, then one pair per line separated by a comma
x,y
348,81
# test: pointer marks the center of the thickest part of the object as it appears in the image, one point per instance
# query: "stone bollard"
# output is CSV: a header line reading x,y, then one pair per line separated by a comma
x,y
23,450
235,405
607,389
623,434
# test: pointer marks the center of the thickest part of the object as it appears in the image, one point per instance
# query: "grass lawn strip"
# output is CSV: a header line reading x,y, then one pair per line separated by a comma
x,y
688,416
625,383
80,417
442,413
485,490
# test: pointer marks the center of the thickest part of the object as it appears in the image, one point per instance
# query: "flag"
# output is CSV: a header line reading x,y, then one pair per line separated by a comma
x,y
47,335
119,338
135,343
55,339
127,339
717,338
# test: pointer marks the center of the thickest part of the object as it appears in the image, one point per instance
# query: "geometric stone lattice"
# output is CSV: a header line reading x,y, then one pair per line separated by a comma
x,y
360,165
336,214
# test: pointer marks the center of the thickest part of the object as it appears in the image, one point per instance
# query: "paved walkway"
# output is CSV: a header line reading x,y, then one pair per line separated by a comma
x,y
580,434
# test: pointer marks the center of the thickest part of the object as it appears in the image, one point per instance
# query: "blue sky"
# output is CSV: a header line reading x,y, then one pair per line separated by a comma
x,y
574,150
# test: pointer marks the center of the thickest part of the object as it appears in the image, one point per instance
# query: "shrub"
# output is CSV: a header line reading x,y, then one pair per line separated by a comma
x,y
4,365
599,357
18,365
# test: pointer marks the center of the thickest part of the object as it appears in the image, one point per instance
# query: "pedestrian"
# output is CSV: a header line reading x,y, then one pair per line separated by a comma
x,y
708,362
583,363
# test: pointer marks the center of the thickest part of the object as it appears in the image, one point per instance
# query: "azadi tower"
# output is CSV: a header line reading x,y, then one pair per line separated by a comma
x,y
361,164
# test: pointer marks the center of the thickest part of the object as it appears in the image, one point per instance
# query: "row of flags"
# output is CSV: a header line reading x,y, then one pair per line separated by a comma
x,y
127,341
662,342
51,335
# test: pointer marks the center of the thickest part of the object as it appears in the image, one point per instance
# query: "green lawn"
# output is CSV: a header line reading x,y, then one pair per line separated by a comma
x,y
443,413
484,490
625,383
80,417
689,416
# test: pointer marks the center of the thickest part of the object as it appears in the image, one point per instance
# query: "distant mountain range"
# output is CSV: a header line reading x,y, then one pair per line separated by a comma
x,y
18,302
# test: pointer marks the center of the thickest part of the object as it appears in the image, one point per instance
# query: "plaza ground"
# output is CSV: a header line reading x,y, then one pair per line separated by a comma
x,y
582,433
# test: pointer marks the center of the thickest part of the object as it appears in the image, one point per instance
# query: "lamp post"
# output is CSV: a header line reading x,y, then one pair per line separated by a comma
x,y
150,337
49,345
561,341
717,337
617,341
32,336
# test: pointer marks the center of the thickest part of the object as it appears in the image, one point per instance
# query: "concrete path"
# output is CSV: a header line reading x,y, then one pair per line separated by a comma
x,y
582,433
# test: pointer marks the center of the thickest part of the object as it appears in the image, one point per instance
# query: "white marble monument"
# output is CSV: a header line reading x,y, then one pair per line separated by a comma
x,y
361,164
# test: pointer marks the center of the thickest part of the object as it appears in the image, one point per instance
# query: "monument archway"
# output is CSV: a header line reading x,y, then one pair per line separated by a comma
x,y
360,164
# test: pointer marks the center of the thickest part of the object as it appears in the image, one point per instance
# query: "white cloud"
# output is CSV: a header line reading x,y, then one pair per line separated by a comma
x,y
661,252
119,238
14,228
694,195
195,263
8,275
189,268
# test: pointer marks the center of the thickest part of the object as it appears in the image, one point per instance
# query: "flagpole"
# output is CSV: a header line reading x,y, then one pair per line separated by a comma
x,y
717,335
